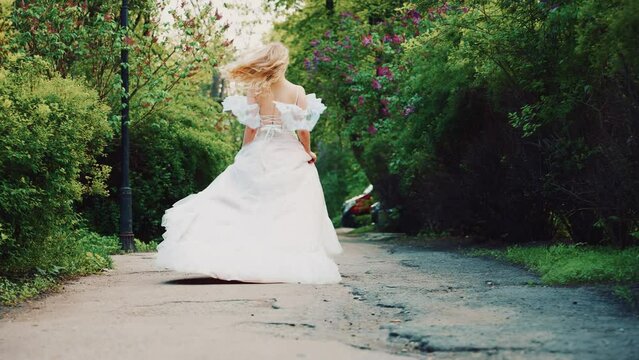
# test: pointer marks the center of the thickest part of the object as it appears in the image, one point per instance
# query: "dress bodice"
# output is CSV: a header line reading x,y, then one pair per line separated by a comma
x,y
289,117
270,120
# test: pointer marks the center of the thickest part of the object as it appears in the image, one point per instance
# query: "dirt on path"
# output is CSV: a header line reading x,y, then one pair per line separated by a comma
x,y
396,302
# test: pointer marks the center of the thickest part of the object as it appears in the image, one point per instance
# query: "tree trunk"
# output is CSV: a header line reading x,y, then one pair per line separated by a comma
x,y
330,6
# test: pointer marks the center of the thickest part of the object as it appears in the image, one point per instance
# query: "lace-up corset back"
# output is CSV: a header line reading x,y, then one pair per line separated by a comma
x,y
274,118
281,115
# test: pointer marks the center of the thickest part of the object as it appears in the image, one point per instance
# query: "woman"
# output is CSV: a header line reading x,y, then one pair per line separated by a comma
x,y
264,218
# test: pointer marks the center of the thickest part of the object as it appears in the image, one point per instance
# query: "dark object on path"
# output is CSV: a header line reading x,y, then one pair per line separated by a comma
x,y
376,208
358,205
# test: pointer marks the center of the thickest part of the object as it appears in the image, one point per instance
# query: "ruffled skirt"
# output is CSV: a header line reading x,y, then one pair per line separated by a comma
x,y
263,219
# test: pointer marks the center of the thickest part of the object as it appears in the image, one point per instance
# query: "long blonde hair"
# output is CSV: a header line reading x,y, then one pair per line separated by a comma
x,y
260,68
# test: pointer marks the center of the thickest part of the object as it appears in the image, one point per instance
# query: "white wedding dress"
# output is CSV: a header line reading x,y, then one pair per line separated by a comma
x,y
264,218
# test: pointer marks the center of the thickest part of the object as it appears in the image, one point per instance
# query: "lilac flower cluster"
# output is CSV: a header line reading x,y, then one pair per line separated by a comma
x,y
408,110
384,111
394,38
385,71
414,16
439,11
367,40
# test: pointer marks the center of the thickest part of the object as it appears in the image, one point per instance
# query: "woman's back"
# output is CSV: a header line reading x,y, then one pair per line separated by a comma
x,y
283,92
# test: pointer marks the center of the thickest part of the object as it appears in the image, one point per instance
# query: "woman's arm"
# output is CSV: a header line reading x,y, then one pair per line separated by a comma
x,y
249,135
304,135
305,138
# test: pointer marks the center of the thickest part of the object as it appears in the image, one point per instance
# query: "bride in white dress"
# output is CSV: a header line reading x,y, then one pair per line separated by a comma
x,y
264,218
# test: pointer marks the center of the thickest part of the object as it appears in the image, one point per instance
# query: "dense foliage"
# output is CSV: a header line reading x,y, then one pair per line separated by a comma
x,y
59,128
505,119
175,153
53,132
175,128
340,175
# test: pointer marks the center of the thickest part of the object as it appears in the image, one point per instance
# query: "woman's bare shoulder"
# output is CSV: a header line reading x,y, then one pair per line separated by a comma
x,y
298,88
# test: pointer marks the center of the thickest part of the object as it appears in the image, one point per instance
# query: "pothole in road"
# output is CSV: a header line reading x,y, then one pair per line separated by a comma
x,y
290,324
408,263
390,306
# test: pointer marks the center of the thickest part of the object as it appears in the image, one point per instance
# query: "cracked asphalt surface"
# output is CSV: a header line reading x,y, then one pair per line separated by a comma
x,y
397,301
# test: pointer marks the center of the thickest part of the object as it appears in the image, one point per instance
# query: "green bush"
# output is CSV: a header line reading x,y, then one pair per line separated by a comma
x,y
340,174
174,153
150,246
503,119
52,134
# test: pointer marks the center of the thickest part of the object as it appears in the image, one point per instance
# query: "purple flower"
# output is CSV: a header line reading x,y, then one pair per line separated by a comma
x,y
443,9
328,34
384,112
384,102
414,16
408,110
360,100
384,71
372,129
367,40
397,39
376,84
314,42
307,64
387,38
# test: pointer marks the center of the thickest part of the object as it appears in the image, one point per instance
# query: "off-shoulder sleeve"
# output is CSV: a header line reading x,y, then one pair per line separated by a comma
x,y
246,113
296,118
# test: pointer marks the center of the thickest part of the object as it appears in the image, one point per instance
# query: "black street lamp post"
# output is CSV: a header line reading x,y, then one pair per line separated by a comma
x,y
126,221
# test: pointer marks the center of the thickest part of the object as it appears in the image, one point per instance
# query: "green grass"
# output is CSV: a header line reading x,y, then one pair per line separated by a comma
x,y
573,264
82,252
13,291
362,229
624,292
146,247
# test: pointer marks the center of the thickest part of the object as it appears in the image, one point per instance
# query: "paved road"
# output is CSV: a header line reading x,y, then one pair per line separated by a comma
x,y
396,302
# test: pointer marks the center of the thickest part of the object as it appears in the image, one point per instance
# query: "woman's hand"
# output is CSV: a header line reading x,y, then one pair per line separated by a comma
x,y
313,157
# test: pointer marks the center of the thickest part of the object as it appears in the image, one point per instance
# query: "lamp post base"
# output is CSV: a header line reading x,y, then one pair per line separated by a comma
x,y
126,221
126,239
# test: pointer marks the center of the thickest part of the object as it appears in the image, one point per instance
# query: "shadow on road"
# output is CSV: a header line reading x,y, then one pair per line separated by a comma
x,y
205,281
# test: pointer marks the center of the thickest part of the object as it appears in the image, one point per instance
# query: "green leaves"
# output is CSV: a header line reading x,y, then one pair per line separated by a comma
x,y
53,131
175,152
513,109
